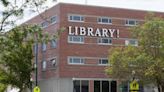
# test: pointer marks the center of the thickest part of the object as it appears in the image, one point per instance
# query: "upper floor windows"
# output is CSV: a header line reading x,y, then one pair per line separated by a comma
x,y
103,61
75,60
107,41
104,20
44,24
76,39
132,42
44,65
76,18
131,22
53,19
44,47
53,43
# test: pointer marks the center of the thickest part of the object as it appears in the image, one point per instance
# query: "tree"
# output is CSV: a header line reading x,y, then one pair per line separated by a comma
x,y
146,60
13,10
16,55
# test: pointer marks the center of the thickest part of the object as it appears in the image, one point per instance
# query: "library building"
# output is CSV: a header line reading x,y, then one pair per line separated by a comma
x,y
77,59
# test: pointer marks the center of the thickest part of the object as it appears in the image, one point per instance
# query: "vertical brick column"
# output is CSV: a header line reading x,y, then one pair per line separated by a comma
x,y
91,86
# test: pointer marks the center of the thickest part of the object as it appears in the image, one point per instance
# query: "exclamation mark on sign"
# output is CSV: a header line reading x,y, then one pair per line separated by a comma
x,y
118,33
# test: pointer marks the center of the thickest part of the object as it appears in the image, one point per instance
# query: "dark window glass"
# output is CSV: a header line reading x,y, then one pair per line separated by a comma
x,y
103,61
76,87
105,86
131,22
104,40
85,86
105,20
53,19
113,86
44,24
96,86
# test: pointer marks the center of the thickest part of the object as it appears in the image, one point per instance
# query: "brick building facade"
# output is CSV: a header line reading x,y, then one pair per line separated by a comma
x,y
75,62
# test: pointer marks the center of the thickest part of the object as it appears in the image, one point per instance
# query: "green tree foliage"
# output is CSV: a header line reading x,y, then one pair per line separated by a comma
x,y
146,60
13,10
16,55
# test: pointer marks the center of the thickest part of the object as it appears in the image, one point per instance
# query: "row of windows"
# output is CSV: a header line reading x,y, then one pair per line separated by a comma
x,y
104,41
48,64
81,60
52,20
53,45
101,20
99,86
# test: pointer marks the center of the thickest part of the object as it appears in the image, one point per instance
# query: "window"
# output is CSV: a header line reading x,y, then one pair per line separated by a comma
x,y
80,86
43,46
107,41
76,18
131,22
44,65
44,24
105,20
101,86
53,20
53,62
103,61
76,39
132,42
53,43
75,60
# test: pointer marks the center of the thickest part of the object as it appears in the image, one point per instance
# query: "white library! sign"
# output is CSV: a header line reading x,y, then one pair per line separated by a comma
x,y
89,31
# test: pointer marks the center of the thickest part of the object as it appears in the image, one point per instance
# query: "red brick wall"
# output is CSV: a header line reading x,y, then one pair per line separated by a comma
x,y
90,49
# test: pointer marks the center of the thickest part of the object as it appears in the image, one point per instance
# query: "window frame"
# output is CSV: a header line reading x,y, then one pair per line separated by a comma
x,y
100,41
54,21
44,65
127,42
101,20
53,44
44,25
44,47
82,60
82,18
71,39
100,60
101,85
80,85
130,20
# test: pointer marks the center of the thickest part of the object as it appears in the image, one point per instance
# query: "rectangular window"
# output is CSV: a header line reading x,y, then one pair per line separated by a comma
x,y
76,18
131,22
44,24
44,65
105,41
43,46
76,39
53,43
102,86
53,20
104,20
80,86
132,42
75,60
103,61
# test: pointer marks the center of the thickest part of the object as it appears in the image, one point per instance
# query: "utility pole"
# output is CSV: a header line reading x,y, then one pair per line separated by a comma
x,y
36,60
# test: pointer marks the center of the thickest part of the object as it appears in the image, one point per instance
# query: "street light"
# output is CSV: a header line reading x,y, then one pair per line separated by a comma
x,y
36,60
